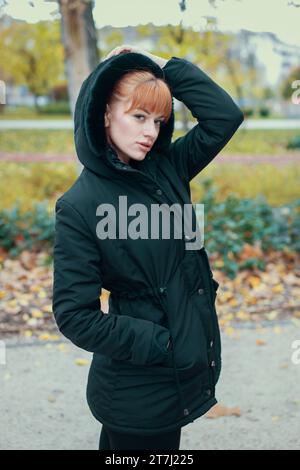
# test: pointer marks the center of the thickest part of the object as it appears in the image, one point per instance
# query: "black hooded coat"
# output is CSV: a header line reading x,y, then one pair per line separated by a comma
x,y
157,352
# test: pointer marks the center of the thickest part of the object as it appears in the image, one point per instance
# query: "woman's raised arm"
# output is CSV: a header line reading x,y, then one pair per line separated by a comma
x,y
217,115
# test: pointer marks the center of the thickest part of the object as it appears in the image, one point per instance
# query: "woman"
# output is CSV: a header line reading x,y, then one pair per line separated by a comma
x,y
157,353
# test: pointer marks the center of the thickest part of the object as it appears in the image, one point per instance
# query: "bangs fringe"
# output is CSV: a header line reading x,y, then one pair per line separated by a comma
x,y
153,96
145,91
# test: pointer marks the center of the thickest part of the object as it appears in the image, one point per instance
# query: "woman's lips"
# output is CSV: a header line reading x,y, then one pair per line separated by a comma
x,y
145,147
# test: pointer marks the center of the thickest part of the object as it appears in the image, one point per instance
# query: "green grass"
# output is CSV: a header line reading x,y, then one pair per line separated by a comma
x,y
29,113
253,142
279,185
28,182
256,142
37,141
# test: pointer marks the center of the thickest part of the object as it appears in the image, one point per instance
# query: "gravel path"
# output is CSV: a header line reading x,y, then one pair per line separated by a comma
x,y
292,157
43,395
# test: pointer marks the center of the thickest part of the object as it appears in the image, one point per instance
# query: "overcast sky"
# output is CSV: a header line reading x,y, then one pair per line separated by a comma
x,y
256,15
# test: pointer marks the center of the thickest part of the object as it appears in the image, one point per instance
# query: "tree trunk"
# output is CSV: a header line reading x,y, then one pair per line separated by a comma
x,y
36,103
79,37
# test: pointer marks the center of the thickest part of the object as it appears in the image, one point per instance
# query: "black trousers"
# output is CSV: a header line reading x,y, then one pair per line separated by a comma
x,y
111,440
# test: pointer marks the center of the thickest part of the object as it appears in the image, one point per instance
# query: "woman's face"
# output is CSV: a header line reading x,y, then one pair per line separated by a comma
x,y
125,131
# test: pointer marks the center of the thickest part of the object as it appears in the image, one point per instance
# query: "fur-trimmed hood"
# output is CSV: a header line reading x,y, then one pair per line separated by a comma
x,y
89,132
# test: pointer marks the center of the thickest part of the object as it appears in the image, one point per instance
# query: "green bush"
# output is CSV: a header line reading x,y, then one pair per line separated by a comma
x,y
247,111
264,111
33,229
294,143
235,221
58,107
229,225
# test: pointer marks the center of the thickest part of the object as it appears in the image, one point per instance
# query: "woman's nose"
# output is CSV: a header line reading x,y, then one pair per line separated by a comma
x,y
150,130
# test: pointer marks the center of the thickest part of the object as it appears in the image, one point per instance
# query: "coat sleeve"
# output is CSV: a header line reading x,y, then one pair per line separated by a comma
x,y
217,115
76,305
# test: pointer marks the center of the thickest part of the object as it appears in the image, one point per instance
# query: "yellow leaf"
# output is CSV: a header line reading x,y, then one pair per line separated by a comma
x,y
36,313
63,347
27,333
81,362
278,288
254,281
42,294
229,330
272,315
228,317
260,342
54,337
226,295
44,336
242,315
2,294
35,288
219,263
275,418
284,365
219,410
47,308
222,321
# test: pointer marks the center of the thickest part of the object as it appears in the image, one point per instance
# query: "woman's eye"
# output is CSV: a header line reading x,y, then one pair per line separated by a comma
x,y
140,115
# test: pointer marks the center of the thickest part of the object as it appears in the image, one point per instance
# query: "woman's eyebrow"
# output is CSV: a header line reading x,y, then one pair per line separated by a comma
x,y
142,109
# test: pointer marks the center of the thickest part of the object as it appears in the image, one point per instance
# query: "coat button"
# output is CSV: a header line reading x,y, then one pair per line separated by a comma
x,y
200,291
159,192
211,343
208,392
186,412
162,290
212,363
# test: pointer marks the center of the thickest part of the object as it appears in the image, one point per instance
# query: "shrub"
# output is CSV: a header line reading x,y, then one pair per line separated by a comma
x,y
58,107
264,111
294,143
33,229
233,222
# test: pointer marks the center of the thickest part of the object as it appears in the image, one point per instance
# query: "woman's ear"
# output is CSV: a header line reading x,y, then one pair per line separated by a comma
x,y
107,116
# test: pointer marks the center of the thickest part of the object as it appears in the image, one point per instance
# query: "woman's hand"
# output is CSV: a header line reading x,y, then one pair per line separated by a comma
x,y
127,48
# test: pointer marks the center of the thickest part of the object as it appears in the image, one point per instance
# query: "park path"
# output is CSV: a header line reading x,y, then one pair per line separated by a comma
x,y
247,159
43,404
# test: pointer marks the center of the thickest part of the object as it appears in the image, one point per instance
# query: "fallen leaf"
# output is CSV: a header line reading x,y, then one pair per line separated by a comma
x,y
81,362
275,418
260,342
219,410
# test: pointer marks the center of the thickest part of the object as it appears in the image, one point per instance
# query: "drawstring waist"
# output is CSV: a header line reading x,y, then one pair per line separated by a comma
x,y
160,293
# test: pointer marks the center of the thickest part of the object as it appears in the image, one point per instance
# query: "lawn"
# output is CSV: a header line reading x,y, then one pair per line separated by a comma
x,y
254,142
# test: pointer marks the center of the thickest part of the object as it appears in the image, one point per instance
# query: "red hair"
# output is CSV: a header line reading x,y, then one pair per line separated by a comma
x,y
145,90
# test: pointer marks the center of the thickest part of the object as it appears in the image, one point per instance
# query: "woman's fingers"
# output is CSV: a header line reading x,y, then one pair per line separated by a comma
x,y
121,49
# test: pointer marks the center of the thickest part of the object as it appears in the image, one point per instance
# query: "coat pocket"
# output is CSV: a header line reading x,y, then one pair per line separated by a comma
x,y
215,288
145,308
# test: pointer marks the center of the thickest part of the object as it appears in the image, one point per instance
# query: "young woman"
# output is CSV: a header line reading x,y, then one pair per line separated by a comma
x,y
157,352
